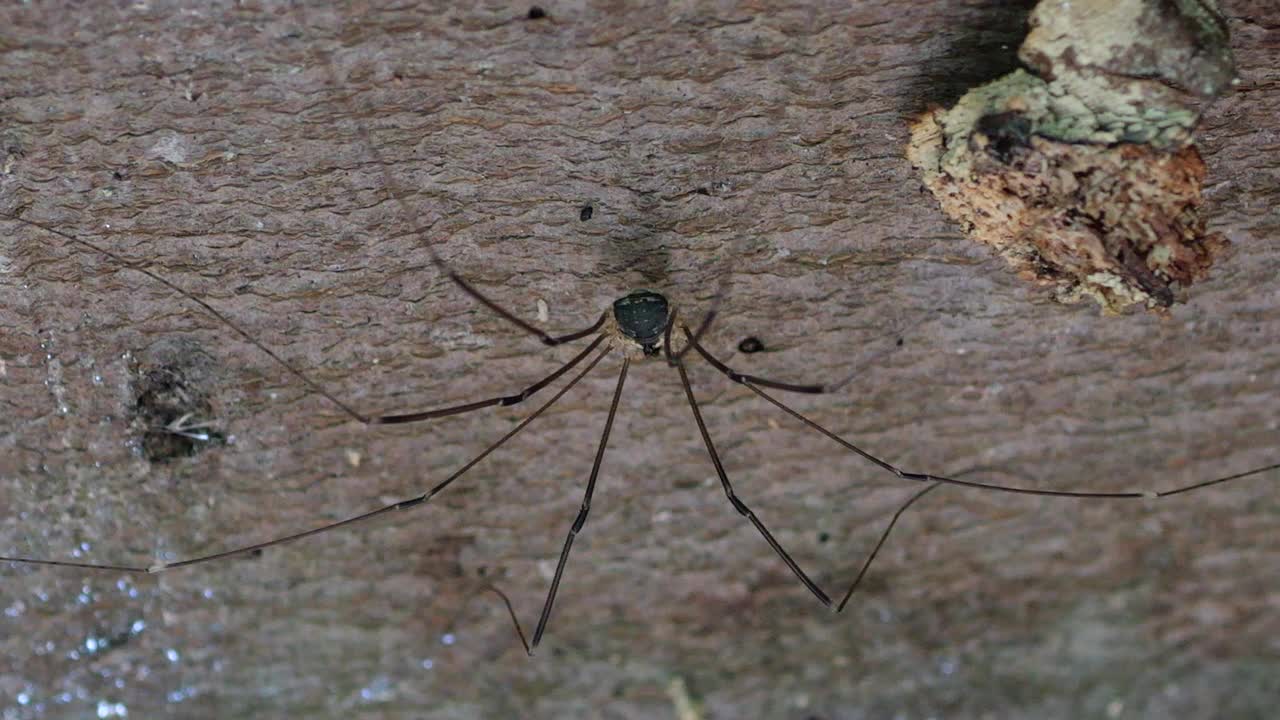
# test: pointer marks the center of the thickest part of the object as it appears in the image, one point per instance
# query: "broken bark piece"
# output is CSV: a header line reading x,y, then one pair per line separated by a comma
x,y
1083,175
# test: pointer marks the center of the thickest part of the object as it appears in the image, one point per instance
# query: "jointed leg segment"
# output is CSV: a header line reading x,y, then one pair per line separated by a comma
x,y
581,518
401,505
754,384
738,505
503,400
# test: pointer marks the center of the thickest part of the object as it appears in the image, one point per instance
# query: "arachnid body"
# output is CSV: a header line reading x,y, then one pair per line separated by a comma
x,y
281,221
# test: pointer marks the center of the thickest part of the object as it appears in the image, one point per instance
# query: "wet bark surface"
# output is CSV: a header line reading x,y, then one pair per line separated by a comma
x,y
211,145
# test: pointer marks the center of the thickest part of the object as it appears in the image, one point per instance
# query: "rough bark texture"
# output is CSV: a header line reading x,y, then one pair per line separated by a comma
x,y
1081,173
207,143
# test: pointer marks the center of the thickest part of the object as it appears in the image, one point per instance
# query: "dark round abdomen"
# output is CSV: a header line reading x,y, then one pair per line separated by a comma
x,y
641,316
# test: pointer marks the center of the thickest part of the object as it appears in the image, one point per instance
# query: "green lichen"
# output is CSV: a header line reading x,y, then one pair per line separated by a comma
x,y
1080,170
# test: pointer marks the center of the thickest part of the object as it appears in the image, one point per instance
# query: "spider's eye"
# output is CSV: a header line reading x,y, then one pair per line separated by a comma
x,y
750,345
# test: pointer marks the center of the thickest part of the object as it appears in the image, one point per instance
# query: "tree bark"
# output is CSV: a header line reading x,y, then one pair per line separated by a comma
x,y
220,147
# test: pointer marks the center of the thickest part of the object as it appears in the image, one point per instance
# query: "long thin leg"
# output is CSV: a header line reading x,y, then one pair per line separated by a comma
x,y
810,389
927,477
753,384
401,505
503,400
515,622
216,314
581,519
706,320
703,326
884,536
871,557
738,505
511,611
410,216
510,317
301,376
743,378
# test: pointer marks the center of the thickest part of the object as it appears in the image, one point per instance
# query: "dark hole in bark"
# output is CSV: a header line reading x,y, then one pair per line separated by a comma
x,y
1008,133
171,407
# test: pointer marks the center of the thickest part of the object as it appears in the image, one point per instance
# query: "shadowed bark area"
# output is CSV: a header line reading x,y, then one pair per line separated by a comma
x,y
208,143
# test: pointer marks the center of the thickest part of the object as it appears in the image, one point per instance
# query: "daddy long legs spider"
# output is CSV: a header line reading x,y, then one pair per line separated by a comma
x,y
641,322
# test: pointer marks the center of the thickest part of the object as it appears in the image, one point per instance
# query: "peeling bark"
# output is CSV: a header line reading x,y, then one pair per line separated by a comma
x,y
1082,175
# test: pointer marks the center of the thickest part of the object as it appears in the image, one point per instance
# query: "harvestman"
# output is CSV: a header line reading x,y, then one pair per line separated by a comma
x,y
641,325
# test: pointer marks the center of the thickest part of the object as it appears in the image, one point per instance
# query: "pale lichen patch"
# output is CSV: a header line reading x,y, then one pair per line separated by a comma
x,y
1082,175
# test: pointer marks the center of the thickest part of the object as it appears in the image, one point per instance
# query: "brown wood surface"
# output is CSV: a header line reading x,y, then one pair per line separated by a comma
x,y
206,141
